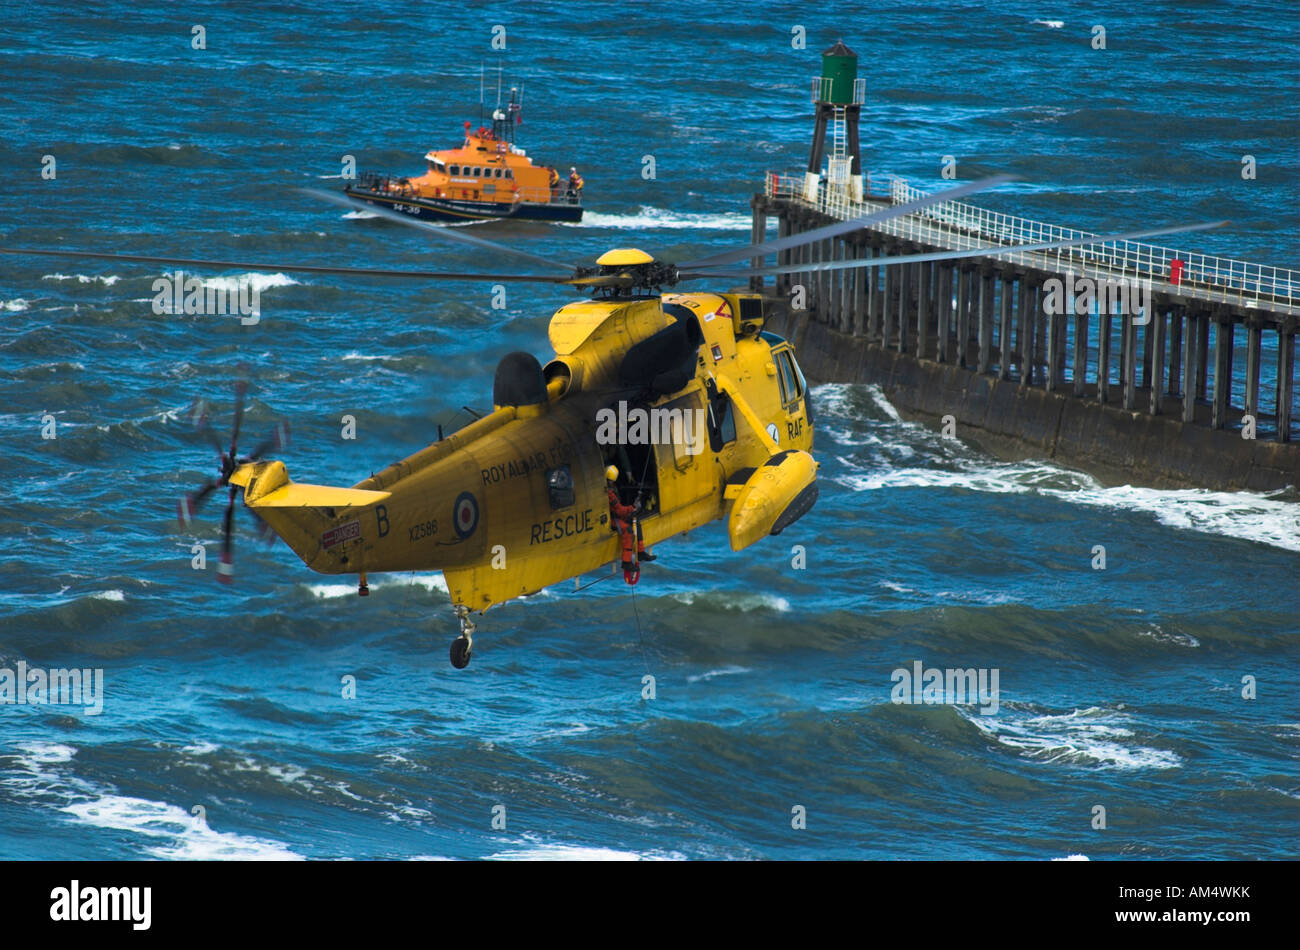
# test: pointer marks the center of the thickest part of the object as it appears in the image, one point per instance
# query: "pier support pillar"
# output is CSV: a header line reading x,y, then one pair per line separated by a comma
x,y
1222,374
833,286
1128,360
1026,340
1156,368
1250,405
848,277
783,257
1285,372
1103,356
873,306
887,311
924,286
1080,371
1149,317
1004,328
1176,317
861,278
986,322
1190,337
1202,355
905,282
943,307
1054,326
758,234
963,314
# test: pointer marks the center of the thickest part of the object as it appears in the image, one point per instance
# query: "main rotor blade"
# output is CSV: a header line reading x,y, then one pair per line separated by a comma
x,y
295,268
844,227
993,250
449,234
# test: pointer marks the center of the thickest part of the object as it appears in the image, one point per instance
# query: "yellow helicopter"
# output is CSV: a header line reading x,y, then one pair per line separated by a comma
x,y
658,413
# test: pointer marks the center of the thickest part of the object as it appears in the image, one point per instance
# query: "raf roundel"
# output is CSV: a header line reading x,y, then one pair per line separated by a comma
x,y
465,514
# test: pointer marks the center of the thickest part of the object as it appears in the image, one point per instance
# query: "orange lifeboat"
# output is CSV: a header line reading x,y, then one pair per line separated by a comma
x,y
489,176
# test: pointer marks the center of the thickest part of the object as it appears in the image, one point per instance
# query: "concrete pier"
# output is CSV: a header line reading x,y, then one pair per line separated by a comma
x,y
1194,389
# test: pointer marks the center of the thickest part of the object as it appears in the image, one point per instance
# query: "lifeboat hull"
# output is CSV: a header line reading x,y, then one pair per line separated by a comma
x,y
453,209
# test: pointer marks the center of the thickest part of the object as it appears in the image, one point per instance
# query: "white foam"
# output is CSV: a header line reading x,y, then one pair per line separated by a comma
x,y
200,748
44,753
175,833
986,481
1050,24
109,595
361,215
333,590
1159,635
429,581
649,218
1245,515
744,602
434,581
725,671
573,852
254,281
17,305
1090,736
107,281
1262,518
354,355
1072,857
882,402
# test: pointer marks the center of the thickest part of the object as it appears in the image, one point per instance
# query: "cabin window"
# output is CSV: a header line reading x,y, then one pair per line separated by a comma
x,y
510,173
682,428
454,170
559,484
722,418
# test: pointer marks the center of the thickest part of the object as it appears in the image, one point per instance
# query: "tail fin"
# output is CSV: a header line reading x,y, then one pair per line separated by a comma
x,y
301,514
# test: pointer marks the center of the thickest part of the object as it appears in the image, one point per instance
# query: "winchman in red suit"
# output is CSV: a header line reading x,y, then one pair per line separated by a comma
x,y
624,517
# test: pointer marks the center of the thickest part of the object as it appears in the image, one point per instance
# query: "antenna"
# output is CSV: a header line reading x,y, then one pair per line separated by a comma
x,y
480,92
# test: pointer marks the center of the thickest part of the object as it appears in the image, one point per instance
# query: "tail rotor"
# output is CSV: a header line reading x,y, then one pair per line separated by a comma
x,y
228,462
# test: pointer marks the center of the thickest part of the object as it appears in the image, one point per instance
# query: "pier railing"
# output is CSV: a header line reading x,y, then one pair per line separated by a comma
x,y
957,225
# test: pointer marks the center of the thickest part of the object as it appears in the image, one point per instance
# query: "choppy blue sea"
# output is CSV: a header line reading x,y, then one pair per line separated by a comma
x,y
224,732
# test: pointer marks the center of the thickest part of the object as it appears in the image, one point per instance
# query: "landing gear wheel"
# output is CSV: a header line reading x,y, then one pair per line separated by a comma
x,y
461,652
463,646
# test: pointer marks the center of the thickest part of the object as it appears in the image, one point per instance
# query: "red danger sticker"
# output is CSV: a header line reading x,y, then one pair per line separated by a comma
x,y
344,532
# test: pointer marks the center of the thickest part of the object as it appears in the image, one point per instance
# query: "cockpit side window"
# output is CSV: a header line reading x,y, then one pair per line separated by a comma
x,y
791,381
